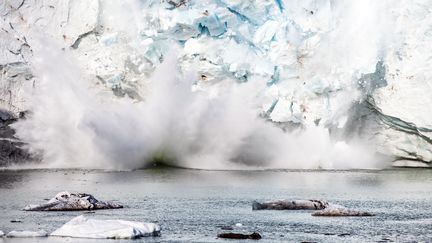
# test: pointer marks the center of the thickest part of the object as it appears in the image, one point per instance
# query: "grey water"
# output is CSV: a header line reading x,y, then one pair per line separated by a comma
x,y
193,205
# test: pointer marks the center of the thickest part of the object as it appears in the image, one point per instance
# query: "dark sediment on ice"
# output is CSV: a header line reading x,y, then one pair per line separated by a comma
x,y
290,205
65,201
323,208
11,149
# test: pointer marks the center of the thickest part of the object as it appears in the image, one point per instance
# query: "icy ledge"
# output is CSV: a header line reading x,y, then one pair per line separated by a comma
x,y
81,227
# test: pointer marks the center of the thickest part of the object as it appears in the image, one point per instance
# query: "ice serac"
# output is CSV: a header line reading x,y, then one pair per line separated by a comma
x,y
328,64
25,21
404,105
81,227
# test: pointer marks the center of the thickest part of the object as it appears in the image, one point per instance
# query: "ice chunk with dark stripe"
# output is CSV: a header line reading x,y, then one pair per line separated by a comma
x,y
66,201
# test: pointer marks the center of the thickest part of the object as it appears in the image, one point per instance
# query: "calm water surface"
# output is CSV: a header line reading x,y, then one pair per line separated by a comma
x,y
193,205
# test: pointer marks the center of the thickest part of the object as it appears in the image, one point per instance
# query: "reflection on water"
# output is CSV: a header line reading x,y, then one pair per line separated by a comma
x,y
191,205
8,180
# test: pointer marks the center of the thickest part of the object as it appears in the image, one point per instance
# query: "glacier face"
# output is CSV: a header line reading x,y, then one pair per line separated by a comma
x,y
358,70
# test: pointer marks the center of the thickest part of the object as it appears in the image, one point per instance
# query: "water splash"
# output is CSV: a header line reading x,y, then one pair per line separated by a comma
x,y
75,125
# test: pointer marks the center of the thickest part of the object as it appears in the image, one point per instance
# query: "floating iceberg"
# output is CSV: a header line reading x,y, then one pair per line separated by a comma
x,y
290,205
27,234
1,233
81,227
324,208
66,201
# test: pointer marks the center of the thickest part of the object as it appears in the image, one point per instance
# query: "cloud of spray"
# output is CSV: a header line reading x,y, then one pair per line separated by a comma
x,y
74,125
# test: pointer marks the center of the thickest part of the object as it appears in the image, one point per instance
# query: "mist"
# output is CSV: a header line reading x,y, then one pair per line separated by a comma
x,y
72,124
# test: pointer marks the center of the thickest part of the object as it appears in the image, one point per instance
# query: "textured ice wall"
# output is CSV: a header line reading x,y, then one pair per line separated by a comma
x,y
357,68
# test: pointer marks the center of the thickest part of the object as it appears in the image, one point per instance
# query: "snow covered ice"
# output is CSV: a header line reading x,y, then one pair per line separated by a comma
x,y
26,234
81,227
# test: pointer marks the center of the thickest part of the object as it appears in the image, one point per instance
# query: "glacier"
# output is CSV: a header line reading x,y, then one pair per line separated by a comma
x,y
337,76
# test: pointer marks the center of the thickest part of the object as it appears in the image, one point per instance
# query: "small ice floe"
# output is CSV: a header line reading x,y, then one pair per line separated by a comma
x,y
27,234
325,208
238,236
340,211
66,201
290,205
81,227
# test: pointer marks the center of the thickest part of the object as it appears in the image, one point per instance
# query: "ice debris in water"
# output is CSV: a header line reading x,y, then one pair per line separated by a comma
x,y
26,234
81,227
325,208
290,205
337,211
66,201
1,233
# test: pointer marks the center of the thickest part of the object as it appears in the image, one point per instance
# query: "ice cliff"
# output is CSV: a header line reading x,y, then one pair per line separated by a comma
x,y
357,68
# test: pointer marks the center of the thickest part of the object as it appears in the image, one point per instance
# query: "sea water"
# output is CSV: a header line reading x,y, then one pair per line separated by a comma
x,y
194,205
